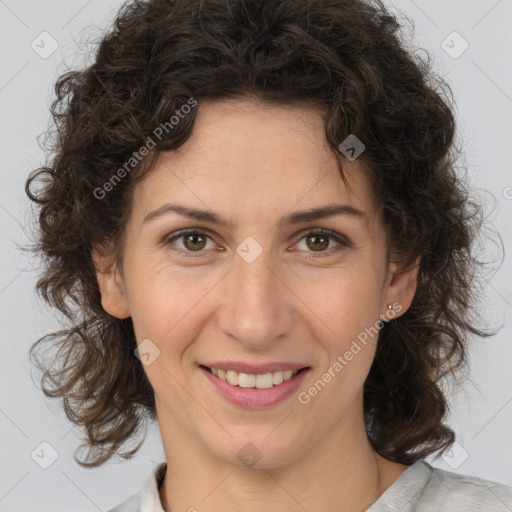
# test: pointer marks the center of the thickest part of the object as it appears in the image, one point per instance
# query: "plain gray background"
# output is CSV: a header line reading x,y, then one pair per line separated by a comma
x,y
481,79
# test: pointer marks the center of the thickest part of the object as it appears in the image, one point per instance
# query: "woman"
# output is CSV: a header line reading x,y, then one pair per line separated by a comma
x,y
255,208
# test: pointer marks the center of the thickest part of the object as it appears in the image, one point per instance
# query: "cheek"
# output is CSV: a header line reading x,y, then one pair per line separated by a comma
x,y
347,300
166,305
352,316
346,324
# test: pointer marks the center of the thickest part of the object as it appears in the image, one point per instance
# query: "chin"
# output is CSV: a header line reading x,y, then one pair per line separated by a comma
x,y
258,450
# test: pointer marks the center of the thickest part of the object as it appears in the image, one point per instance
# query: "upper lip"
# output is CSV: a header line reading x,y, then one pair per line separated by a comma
x,y
256,369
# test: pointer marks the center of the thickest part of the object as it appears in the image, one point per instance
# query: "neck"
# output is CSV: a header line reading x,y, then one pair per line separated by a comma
x,y
343,474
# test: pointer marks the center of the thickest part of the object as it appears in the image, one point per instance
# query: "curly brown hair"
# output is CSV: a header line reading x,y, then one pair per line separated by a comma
x,y
346,56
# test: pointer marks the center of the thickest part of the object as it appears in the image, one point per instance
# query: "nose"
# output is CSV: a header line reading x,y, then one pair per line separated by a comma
x,y
258,306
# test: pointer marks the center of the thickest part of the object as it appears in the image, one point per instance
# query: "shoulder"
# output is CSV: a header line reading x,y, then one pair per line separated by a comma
x,y
446,490
424,488
147,498
131,504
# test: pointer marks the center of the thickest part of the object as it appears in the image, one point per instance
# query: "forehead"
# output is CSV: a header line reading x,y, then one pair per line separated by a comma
x,y
250,160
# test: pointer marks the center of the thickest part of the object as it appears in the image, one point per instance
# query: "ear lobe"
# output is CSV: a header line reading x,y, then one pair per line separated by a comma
x,y
402,286
113,297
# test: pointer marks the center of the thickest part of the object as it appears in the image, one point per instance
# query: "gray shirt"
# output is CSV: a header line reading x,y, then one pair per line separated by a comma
x,y
420,488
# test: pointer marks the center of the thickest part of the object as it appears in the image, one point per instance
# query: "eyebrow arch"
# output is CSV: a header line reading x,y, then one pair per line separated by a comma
x,y
329,210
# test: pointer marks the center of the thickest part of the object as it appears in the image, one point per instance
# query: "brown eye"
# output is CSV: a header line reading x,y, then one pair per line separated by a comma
x,y
194,241
191,242
318,242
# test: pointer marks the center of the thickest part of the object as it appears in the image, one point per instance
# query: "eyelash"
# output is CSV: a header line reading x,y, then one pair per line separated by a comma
x,y
321,231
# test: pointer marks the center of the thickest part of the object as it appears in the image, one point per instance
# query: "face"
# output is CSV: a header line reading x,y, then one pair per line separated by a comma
x,y
266,291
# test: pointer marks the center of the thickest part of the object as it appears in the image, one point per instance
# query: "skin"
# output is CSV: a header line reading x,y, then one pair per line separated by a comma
x,y
253,164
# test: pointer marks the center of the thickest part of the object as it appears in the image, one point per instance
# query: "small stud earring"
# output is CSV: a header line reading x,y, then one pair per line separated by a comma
x,y
390,306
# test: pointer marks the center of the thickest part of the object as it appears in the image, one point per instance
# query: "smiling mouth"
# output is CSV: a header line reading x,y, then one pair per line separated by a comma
x,y
248,380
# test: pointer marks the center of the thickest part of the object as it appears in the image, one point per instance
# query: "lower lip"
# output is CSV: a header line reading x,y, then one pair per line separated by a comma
x,y
253,397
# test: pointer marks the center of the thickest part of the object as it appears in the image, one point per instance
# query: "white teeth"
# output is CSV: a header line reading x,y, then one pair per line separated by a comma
x,y
232,377
248,380
264,381
277,378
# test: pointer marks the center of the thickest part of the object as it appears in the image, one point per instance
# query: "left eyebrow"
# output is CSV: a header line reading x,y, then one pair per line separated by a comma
x,y
323,212
298,217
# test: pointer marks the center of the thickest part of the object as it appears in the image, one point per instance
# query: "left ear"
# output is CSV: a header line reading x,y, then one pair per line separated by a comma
x,y
400,288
